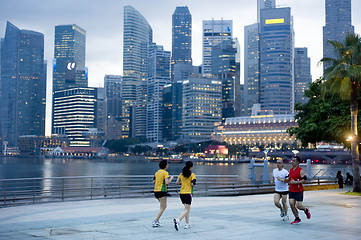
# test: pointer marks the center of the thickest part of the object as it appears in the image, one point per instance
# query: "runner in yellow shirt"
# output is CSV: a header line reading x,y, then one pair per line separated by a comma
x,y
187,179
161,180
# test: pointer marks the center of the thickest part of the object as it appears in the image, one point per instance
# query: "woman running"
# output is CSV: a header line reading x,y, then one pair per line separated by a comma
x,y
161,180
187,179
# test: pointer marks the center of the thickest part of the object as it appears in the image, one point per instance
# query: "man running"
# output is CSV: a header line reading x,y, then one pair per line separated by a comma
x,y
296,179
281,187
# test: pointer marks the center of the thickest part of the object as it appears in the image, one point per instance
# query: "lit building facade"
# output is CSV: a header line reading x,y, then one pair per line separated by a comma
x,y
23,84
137,37
74,114
262,129
338,25
214,32
202,108
113,92
302,74
69,69
252,59
182,36
276,60
158,77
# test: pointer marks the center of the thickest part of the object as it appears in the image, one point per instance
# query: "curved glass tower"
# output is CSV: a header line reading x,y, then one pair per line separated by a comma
x,y
137,37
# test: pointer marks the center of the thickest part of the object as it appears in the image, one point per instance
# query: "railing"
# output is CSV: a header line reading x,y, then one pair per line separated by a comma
x,y
55,189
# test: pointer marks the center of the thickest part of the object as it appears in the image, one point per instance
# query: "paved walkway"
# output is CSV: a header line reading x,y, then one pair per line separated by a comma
x,y
334,216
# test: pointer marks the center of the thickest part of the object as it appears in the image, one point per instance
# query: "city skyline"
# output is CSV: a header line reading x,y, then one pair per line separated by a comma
x,y
105,32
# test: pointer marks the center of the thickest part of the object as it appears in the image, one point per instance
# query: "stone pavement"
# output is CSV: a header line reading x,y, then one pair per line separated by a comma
x,y
334,216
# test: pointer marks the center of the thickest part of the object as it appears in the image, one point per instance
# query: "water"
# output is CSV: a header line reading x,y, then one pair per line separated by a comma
x,y
13,167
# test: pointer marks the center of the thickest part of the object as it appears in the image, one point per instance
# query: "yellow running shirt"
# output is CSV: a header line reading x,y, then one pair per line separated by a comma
x,y
159,178
186,184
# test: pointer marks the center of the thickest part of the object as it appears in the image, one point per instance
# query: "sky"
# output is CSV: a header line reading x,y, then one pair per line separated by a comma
x,y
103,22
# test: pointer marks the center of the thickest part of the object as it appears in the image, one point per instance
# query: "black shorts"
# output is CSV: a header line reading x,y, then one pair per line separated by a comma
x,y
158,195
186,198
298,196
282,193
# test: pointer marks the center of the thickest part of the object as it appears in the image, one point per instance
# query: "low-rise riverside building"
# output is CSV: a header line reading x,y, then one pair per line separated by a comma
x,y
262,129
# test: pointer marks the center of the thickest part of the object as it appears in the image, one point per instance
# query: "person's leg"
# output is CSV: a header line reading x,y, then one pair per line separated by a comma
x,y
162,207
185,213
292,202
276,200
300,206
284,203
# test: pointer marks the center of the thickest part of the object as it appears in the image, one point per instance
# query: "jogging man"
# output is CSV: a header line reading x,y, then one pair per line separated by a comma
x,y
281,188
296,180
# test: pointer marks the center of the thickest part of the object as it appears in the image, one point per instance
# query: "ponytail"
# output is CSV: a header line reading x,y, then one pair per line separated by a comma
x,y
186,170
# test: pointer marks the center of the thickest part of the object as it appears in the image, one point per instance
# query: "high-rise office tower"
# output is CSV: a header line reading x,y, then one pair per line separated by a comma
x,y
202,108
263,4
23,84
276,60
251,59
75,113
338,25
158,77
167,120
182,36
224,68
302,74
113,92
214,32
69,69
137,37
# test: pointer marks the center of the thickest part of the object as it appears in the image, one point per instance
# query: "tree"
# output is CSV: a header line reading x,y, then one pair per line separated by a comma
x,y
322,118
344,79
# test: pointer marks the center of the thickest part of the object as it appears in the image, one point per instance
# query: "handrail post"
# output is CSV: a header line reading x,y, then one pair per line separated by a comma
x,y
91,188
34,191
5,189
62,191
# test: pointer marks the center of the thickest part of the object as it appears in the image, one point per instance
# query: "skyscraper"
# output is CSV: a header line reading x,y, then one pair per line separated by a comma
x,y
182,36
137,37
251,59
113,92
302,74
69,69
338,25
23,84
276,60
158,77
214,32
202,108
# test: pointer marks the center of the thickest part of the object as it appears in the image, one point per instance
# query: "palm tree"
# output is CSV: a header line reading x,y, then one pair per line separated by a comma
x,y
344,78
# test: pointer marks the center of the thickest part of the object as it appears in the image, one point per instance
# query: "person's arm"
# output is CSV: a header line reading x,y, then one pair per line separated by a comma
x,y
168,180
178,182
285,180
154,179
302,180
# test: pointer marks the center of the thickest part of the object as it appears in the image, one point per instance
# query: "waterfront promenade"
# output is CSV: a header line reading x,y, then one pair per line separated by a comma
x,y
334,216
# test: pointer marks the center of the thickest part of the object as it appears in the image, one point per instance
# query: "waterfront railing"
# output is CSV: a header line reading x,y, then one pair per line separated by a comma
x,y
56,189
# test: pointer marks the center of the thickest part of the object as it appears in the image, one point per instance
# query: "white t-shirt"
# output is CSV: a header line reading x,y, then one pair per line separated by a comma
x,y
280,186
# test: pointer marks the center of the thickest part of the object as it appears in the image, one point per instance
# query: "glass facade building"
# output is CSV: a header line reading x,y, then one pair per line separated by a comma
x,y
214,32
74,114
302,74
202,108
137,37
23,84
338,25
158,77
69,58
276,60
182,36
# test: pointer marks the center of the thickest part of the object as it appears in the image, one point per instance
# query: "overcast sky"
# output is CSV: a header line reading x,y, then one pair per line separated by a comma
x,y
103,22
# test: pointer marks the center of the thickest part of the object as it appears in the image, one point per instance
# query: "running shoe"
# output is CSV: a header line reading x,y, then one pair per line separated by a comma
x,y
286,218
308,214
176,224
282,214
156,224
187,225
296,221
